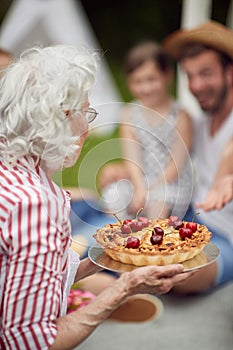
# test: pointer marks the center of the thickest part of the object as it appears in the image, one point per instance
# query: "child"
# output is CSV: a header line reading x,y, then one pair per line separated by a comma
x,y
156,135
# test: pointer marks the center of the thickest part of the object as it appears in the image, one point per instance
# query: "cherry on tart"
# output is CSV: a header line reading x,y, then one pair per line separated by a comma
x,y
185,232
128,226
133,242
139,222
144,220
156,239
192,226
158,231
178,224
136,226
172,219
125,225
127,222
175,222
125,228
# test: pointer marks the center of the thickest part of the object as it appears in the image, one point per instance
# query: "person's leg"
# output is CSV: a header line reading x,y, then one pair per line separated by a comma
x,y
225,260
202,281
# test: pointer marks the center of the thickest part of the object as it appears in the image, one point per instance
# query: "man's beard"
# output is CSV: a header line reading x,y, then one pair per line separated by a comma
x,y
221,98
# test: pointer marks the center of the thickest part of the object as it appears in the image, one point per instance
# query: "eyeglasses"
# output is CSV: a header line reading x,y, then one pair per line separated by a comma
x,y
90,114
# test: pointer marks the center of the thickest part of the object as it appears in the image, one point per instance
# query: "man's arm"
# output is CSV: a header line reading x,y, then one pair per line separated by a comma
x,y
222,190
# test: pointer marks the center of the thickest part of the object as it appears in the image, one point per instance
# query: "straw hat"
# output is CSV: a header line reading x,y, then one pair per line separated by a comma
x,y
210,33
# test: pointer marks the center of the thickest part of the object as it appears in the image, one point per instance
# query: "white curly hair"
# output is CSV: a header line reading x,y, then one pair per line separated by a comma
x,y
34,92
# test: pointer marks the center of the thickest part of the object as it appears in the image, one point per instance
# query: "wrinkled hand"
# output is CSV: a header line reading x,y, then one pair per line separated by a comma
x,y
219,195
155,279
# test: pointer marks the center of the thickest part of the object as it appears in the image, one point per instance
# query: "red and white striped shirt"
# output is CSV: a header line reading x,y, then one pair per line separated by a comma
x,y
34,243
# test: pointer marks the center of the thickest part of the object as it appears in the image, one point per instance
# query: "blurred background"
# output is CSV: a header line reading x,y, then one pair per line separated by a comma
x,y
111,26
117,25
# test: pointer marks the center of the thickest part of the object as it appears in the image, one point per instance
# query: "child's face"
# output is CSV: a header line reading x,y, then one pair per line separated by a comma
x,y
149,85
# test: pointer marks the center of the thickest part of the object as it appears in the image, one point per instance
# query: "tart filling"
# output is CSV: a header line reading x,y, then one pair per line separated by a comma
x,y
144,247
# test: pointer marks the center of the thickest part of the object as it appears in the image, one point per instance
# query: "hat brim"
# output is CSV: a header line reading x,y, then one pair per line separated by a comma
x,y
212,34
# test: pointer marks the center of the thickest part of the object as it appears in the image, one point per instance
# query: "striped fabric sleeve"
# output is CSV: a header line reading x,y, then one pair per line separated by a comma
x,y
34,273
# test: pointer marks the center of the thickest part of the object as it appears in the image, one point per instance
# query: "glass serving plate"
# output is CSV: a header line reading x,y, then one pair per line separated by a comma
x,y
207,256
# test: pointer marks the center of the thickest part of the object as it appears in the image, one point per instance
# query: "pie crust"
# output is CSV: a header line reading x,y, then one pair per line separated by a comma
x,y
172,250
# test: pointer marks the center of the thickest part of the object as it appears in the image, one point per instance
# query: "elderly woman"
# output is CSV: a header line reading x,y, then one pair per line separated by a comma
x,y
43,123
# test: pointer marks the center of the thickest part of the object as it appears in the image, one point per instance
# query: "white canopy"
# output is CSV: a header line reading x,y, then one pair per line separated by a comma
x,y
48,22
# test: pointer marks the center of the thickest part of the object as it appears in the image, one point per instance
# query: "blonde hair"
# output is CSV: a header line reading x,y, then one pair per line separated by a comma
x,y
34,92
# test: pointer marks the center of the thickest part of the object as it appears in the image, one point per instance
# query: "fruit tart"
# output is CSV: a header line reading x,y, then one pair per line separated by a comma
x,y
153,242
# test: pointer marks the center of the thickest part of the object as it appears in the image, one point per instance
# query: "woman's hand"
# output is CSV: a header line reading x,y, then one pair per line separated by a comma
x,y
154,279
149,279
